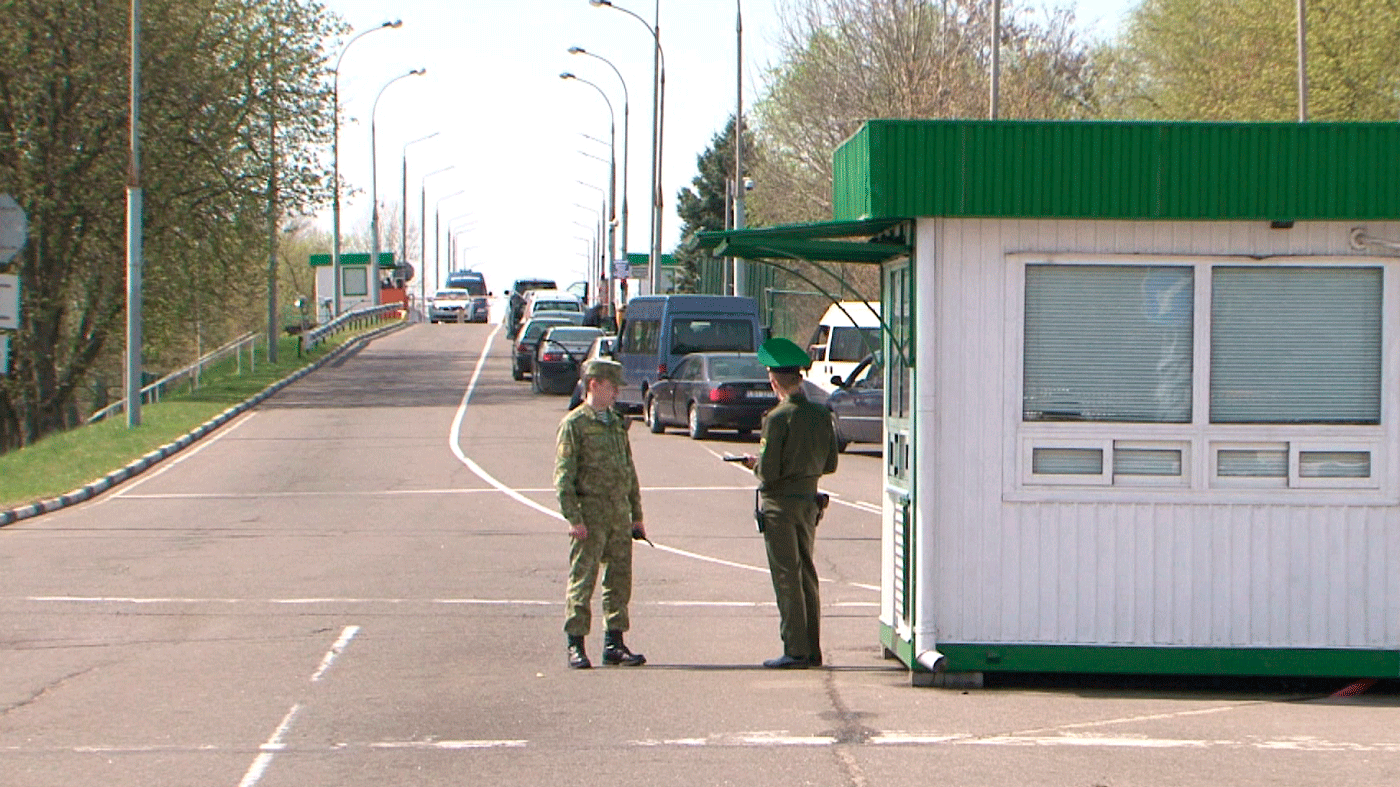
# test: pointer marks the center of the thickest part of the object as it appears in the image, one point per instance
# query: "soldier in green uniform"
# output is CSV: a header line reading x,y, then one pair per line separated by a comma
x,y
797,449
602,501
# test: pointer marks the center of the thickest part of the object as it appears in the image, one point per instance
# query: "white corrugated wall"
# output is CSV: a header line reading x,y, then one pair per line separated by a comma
x,y
1115,571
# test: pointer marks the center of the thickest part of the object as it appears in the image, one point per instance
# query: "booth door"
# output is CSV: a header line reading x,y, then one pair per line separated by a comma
x,y
898,541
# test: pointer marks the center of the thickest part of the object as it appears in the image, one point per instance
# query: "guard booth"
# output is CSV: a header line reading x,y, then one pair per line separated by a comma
x,y
355,281
1142,403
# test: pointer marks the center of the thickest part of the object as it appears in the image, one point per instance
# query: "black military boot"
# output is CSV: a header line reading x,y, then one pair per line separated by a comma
x,y
577,658
615,652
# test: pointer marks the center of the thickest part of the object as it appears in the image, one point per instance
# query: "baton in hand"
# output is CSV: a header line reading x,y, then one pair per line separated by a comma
x,y
638,535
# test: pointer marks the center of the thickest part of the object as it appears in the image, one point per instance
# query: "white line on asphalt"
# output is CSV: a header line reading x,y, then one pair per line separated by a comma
x,y
454,438
269,750
402,493
125,489
454,442
335,651
484,602
760,739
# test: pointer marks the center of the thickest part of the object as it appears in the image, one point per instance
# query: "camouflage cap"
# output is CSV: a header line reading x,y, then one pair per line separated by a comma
x,y
782,355
603,369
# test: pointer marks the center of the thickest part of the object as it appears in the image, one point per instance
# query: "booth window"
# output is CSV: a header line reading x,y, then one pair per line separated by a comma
x,y
1198,373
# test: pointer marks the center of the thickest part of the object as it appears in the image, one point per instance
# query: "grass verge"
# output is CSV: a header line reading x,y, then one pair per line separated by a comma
x,y
63,462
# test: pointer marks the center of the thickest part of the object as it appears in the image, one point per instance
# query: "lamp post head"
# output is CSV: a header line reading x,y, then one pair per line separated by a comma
x,y
599,2
395,23
567,75
418,72
577,50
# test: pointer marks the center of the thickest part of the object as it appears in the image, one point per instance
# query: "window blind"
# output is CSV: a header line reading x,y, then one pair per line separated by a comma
x,y
1108,343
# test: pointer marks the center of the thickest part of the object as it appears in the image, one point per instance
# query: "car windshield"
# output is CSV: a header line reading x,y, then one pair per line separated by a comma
x,y
743,367
557,306
474,285
452,295
709,335
579,335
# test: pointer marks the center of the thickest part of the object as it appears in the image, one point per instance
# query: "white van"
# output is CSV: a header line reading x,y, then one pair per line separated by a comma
x,y
849,331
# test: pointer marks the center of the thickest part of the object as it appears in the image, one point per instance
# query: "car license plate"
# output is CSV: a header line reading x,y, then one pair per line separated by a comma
x,y
758,395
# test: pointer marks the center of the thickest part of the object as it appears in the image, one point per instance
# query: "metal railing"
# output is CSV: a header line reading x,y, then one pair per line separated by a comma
x,y
355,318
152,393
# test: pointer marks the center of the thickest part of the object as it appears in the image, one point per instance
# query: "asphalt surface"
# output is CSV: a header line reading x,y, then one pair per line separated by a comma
x,y
360,582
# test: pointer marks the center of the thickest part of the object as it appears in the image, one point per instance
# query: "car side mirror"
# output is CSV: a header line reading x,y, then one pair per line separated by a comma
x,y
837,381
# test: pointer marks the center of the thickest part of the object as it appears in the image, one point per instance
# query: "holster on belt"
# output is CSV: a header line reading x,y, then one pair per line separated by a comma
x,y
757,511
822,500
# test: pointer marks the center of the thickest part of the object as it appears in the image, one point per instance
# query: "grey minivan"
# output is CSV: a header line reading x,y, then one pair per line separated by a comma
x,y
660,329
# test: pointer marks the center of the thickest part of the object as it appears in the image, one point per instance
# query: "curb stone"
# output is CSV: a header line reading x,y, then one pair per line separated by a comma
x,y
146,462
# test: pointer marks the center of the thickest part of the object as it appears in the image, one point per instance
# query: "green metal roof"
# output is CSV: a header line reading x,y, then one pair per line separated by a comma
x,y
1119,170
830,241
386,259
635,258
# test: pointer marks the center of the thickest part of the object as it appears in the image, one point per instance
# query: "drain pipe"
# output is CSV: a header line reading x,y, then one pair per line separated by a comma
x,y
931,660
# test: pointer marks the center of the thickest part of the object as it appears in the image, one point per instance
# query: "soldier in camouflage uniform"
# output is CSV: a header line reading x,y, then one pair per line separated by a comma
x,y
798,447
602,501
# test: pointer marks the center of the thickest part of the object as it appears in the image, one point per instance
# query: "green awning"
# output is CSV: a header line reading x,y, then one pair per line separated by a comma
x,y
866,241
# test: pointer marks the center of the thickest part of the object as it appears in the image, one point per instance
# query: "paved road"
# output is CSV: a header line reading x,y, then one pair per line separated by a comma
x,y
360,583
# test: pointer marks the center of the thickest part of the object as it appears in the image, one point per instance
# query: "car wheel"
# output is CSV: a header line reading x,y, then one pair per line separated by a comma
x,y
654,418
745,432
698,431
535,383
841,445
516,373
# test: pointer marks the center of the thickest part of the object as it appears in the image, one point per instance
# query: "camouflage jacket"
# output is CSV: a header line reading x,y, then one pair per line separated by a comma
x,y
593,471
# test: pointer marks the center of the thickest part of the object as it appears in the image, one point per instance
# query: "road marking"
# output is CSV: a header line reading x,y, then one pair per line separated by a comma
x,y
403,493
756,739
269,750
164,467
485,602
454,442
335,651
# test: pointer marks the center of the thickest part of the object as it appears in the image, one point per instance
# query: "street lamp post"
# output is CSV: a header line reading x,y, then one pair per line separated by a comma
x,y
658,91
452,233
423,234
740,272
437,237
335,160
372,270
612,180
403,204
626,154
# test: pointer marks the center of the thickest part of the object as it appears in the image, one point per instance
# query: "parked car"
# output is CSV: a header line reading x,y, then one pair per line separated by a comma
x,y
857,404
604,346
559,357
516,305
709,391
846,335
552,303
450,306
523,360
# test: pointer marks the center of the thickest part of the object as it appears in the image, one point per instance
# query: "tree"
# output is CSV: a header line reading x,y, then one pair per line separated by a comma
x,y
845,61
707,205
208,96
1237,61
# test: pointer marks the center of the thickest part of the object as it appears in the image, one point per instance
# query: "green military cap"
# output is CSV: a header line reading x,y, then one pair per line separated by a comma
x,y
782,355
603,369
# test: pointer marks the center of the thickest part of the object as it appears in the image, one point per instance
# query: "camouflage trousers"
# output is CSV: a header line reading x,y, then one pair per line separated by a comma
x,y
609,547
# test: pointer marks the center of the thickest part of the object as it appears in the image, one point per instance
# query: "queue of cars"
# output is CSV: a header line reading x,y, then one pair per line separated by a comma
x,y
690,362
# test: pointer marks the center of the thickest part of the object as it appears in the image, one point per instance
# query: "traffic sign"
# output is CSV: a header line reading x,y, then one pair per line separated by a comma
x,y
621,269
14,228
9,301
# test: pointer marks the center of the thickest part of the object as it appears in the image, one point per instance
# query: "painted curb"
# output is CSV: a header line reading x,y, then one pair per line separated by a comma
x,y
146,462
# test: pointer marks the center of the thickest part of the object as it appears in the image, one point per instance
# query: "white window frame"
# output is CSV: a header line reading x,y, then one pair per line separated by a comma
x,y
1200,441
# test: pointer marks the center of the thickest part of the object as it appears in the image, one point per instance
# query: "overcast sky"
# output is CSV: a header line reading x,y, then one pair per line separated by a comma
x,y
514,132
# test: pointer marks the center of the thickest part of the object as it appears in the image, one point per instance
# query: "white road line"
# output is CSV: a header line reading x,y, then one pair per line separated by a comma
x,y
404,493
758,739
269,749
484,602
335,651
454,442
219,434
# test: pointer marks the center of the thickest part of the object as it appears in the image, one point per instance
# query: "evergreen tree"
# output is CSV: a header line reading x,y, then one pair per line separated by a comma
x,y
706,205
